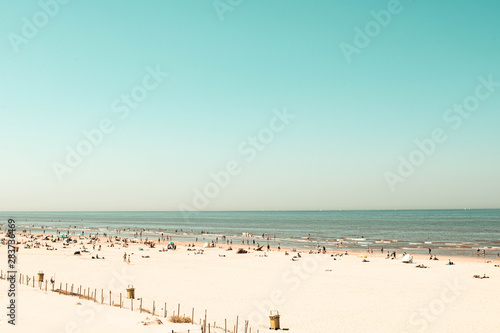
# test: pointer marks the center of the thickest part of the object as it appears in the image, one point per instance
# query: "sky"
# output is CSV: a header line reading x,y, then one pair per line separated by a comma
x,y
249,105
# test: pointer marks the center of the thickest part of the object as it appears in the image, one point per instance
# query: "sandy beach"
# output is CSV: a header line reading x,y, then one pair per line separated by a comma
x,y
313,293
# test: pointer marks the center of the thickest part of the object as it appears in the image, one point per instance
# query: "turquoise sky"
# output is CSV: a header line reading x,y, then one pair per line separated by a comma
x,y
229,71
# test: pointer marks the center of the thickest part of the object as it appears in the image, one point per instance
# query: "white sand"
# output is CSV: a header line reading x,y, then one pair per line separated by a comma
x,y
377,296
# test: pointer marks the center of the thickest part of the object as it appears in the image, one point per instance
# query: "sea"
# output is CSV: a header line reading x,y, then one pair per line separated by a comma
x,y
445,232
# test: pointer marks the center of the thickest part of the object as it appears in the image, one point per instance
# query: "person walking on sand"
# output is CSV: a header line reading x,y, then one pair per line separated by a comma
x,y
125,257
128,259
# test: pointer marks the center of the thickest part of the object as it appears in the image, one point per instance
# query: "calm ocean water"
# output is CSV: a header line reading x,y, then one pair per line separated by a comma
x,y
458,232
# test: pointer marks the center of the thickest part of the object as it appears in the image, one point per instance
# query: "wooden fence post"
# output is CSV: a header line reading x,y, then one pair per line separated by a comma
x,y
205,322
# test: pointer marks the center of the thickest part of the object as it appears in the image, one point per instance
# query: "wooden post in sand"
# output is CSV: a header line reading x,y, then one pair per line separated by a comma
x,y
88,293
237,318
120,300
66,288
102,296
45,285
179,309
205,322
153,308
192,316
33,281
140,306
60,287
95,295
72,289
208,327
110,304
132,304
225,325
165,310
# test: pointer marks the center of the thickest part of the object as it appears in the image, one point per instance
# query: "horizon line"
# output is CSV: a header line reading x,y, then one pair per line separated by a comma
x,y
229,211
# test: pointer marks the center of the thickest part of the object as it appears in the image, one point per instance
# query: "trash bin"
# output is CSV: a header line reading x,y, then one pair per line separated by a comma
x,y
130,292
40,277
275,320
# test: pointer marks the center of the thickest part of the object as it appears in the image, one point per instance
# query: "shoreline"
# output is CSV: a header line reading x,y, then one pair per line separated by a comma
x,y
252,248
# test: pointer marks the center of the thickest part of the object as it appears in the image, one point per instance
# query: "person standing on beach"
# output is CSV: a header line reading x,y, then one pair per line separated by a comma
x,y
125,257
430,250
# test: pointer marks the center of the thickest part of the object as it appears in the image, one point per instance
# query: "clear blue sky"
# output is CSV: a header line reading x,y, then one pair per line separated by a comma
x,y
353,119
